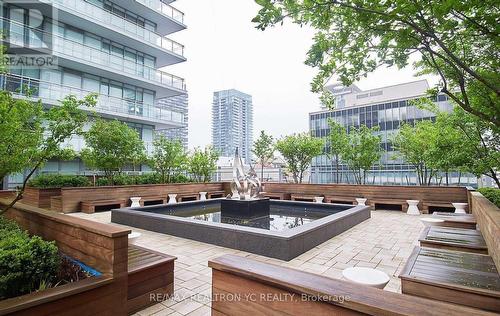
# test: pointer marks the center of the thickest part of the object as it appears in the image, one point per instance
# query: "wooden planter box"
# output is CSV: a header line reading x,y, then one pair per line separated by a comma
x,y
40,197
70,200
90,296
101,246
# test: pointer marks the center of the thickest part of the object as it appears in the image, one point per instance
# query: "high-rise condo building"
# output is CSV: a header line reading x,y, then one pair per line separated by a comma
x,y
178,104
113,48
387,108
232,123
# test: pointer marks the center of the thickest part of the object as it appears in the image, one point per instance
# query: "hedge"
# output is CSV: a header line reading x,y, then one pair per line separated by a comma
x,y
26,263
51,180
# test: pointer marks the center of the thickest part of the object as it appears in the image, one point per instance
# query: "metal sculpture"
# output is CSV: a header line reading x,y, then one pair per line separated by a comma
x,y
244,186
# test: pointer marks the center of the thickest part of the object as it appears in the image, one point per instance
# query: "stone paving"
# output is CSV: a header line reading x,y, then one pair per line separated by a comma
x,y
384,242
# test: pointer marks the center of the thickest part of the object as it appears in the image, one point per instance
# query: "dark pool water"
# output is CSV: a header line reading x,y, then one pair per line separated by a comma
x,y
278,219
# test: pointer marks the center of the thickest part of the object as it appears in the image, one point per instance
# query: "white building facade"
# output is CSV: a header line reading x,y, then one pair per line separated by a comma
x,y
112,48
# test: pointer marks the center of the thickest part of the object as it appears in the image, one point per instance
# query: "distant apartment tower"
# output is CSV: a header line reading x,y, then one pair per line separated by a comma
x,y
232,123
114,48
387,108
179,106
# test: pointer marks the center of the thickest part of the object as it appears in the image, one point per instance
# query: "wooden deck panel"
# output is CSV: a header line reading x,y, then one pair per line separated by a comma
x,y
457,277
458,239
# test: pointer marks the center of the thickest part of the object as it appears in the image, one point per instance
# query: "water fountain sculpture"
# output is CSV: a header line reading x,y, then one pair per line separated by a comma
x,y
244,186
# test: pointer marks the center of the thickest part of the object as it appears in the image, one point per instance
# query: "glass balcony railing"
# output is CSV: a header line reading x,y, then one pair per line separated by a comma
x,y
22,86
62,45
95,13
164,9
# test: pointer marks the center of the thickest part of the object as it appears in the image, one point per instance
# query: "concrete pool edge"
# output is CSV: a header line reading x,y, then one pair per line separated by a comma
x,y
284,245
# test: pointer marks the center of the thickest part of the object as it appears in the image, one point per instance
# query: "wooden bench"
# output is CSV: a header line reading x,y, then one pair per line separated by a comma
x,y
303,197
153,198
458,239
183,197
276,195
89,206
150,274
457,277
269,289
426,204
466,221
216,194
340,199
402,203
56,203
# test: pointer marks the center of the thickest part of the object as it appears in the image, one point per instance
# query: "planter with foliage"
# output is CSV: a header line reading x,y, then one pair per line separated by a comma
x,y
491,194
29,264
43,187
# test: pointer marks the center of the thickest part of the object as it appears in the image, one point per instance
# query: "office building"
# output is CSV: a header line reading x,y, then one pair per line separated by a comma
x,y
387,108
113,48
232,124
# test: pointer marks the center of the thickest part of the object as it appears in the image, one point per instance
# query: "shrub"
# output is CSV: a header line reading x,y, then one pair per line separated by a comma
x,y
25,262
59,180
491,194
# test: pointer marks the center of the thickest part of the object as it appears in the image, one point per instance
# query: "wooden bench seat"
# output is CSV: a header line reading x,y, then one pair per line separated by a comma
x,y
426,204
466,221
149,273
458,239
457,277
153,198
340,199
89,206
216,194
183,197
276,195
402,203
303,197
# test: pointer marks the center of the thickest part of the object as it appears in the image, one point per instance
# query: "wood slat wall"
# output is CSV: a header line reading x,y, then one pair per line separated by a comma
x,y
40,197
72,197
279,291
101,246
488,219
424,194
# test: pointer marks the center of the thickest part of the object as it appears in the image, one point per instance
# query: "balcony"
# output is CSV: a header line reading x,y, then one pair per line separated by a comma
x,y
95,61
160,12
95,19
130,110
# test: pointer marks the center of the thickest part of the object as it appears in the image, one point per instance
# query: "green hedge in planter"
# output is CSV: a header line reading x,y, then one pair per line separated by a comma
x,y
26,263
50,180
491,194
146,178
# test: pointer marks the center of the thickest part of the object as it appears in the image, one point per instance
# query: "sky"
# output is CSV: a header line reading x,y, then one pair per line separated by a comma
x,y
224,50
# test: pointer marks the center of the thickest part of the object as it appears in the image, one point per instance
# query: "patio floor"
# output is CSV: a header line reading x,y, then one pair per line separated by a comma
x,y
383,242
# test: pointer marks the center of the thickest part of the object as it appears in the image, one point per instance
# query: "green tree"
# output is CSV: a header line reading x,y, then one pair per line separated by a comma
x,y
31,135
111,145
168,159
263,149
479,142
298,150
417,145
452,151
203,163
361,152
457,40
337,142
